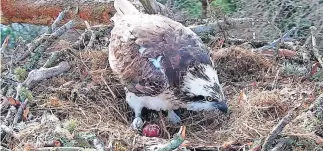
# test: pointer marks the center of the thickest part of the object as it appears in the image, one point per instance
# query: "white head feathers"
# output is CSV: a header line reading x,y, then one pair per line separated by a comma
x,y
203,81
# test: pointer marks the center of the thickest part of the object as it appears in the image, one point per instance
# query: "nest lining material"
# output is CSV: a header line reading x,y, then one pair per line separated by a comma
x,y
90,94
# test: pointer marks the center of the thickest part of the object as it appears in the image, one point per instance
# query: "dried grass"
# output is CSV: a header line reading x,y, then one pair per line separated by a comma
x,y
239,64
94,97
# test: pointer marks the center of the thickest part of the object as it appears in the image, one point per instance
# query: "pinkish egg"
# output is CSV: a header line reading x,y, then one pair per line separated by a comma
x,y
151,130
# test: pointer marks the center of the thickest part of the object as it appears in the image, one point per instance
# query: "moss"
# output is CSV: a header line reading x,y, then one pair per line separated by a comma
x,y
71,125
25,94
20,74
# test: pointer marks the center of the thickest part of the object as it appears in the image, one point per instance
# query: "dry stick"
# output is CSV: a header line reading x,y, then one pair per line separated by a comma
x,y
59,18
19,113
215,26
91,42
277,42
8,131
281,145
304,50
10,115
275,80
44,73
54,56
314,48
277,129
44,38
5,43
310,135
4,103
163,124
109,88
33,45
18,91
154,7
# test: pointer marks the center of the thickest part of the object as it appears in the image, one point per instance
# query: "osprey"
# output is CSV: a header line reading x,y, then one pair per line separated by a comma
x,y
162,64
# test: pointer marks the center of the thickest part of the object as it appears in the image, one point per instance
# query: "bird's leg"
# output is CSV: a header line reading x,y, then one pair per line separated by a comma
x,y
137,123
136,104
173,117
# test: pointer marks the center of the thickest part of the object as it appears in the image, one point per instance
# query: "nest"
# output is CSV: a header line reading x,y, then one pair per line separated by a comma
x,y
93,97
238,64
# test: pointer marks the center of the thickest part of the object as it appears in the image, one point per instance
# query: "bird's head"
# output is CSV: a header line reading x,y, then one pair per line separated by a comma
x,y
203,89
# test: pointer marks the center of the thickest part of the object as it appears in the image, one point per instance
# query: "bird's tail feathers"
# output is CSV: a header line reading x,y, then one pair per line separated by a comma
x,y
124,7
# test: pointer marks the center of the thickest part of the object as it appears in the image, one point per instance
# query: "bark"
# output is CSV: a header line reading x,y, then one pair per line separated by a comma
x,y
204,8
221,25
44,73
275,132
41,12
154,7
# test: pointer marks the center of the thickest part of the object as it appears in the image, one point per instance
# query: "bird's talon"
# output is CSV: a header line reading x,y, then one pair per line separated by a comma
x,y
173,117
137,123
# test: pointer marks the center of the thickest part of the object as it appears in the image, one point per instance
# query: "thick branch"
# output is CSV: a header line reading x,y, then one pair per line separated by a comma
x,y
154,7
19,113
45,41
277,129
223,25
44,73
24,11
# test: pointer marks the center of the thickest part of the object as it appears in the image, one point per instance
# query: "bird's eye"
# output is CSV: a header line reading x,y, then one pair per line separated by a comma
x,y
208,98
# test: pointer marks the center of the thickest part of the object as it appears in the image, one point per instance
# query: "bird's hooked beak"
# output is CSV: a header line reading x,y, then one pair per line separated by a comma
x,y
222,106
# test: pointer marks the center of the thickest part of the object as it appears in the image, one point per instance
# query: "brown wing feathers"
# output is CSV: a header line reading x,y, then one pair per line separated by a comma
x,y
136,40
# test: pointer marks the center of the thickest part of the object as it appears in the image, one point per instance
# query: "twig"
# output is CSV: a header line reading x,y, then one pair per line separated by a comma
x,y
281,145
4,103
19,113
310,135
275,43
18,91
45,38
7,131
163,124
109,88
60,31
52,58
304,50
44,73
154,7
33,45
10,115
5,43
275,80
91,42
79,43
277,129
59,18
314,48
223,25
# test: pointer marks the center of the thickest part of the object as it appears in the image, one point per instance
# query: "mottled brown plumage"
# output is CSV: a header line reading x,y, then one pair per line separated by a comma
x,y
159,36
163,64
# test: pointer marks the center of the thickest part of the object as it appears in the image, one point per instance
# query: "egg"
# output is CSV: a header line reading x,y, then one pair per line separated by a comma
x,y
151,130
